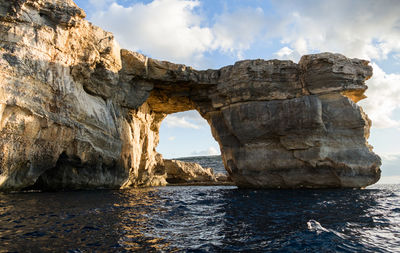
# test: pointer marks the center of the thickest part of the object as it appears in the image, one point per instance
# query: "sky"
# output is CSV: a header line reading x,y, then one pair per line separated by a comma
x,y
214,33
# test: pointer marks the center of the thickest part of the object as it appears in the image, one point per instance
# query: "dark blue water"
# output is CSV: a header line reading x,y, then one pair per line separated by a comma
x,y
202,219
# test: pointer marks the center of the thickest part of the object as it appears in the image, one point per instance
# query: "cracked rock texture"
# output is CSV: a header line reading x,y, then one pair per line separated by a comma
x,y
78,112
187,172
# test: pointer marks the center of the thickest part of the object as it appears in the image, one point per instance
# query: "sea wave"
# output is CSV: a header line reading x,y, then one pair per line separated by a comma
x,y
202,219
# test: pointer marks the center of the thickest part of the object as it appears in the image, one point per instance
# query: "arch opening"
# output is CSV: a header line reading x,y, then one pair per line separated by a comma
x,y
186,134
190,153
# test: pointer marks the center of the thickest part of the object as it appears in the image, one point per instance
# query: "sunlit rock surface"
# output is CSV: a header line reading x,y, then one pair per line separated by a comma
x,y
78,112
187,172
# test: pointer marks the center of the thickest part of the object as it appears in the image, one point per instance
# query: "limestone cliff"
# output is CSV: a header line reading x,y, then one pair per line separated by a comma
x,y
79,112
187,172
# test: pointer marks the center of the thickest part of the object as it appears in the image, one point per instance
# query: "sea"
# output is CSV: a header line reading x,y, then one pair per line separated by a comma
x,y
202,219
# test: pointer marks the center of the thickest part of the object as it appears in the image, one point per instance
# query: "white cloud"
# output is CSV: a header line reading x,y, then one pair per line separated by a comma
x,y
166,29
209,151
193,116
300,46
235,32
383,98
285,53
364,29
187,119
179,121
171,138
173,30
361,28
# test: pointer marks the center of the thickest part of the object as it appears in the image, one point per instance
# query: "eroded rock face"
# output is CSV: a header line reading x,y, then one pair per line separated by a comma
x,y
187,172
79,112
302,130
68,115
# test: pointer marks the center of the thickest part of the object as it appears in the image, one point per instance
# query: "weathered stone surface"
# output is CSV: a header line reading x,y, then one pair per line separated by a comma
x,y
187,172
68,117
223,178
79,112
316,139
324,73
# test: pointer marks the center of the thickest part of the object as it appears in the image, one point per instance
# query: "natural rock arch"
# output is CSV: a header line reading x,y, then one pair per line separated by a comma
x,y
79,112
279,124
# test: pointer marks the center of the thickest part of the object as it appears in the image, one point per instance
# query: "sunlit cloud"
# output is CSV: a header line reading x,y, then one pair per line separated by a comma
x,y
235,32
173,30
166,29
383,98
361,29
286,53
177,121
364,29
176,30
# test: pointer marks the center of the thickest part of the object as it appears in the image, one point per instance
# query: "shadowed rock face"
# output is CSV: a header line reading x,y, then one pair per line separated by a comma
x,y
79,112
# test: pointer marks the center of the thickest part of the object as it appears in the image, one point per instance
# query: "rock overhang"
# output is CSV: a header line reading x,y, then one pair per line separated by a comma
x,y
72,99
